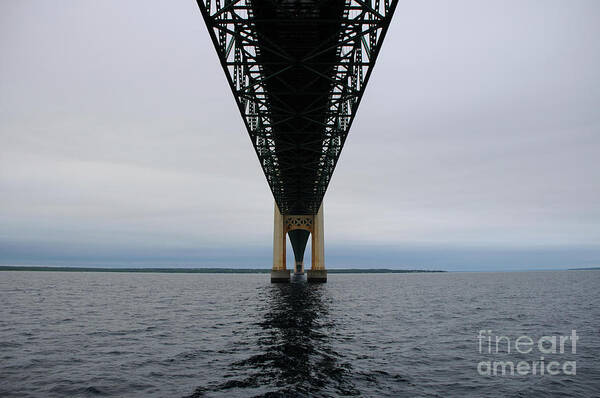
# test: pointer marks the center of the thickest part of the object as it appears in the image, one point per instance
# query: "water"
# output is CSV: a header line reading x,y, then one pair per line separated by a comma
x,y
224,335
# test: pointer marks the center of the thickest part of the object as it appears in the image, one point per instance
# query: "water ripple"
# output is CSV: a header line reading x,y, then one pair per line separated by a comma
x,y
202,335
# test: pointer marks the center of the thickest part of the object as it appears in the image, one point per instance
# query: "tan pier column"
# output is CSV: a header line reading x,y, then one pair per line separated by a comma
x,y
279,272
317,272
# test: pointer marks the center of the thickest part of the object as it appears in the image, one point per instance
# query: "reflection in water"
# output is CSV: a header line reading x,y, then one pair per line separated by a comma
x,y
295,355
297,351
219,335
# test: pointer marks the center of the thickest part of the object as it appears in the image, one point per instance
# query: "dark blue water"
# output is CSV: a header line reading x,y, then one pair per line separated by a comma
x,y
195,335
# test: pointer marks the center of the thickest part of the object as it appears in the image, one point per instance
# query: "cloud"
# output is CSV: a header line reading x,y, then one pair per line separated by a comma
x,y
479,128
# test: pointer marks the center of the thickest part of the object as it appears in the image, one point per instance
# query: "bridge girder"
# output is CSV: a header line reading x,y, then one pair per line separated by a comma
x,y
298,70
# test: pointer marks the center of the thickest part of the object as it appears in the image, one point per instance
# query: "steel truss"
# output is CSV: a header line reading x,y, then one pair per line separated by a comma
x,y
298,144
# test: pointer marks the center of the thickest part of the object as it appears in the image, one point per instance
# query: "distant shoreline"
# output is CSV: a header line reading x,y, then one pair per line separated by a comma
x,y
201,270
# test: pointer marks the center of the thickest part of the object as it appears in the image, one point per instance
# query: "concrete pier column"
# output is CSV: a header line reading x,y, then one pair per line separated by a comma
x,y
317,272
279,273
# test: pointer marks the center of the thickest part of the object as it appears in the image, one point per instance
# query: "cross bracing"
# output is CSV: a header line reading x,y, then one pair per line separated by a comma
x,y
298,70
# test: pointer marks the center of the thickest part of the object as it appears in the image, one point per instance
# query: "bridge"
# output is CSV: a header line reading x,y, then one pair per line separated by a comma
x,y
298,70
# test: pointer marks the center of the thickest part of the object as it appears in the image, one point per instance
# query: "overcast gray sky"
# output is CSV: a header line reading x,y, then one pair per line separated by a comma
x,y
476,145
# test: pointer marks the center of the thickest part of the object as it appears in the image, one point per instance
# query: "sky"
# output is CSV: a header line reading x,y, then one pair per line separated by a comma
x,y
476,145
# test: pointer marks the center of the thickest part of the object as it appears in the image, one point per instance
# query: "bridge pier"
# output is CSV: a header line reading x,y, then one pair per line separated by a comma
x,y
299,227
279,273
317,272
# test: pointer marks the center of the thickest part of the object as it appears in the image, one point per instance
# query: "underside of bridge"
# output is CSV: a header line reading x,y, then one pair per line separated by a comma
x,y
297,70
